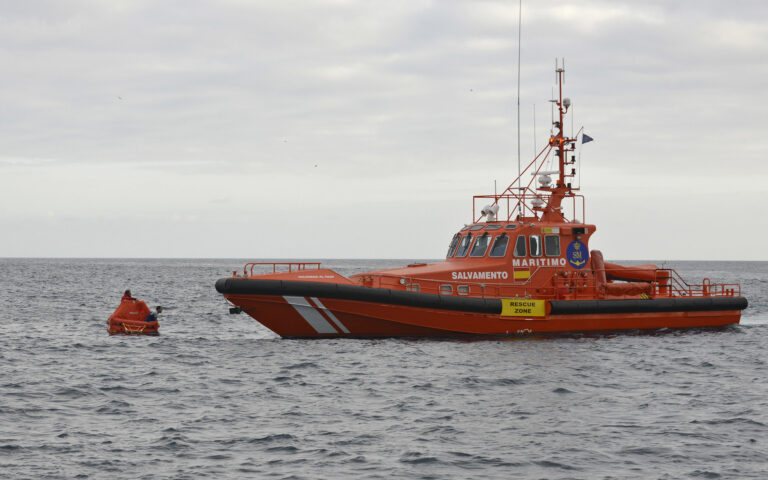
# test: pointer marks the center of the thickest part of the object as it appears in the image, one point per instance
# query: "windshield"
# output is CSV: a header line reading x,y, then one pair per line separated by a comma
x,y
452,246
464,246
499,247
535,242
481,245
552,245
520,246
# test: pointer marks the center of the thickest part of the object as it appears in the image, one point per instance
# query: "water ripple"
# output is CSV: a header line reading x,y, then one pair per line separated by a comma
x,y
218,396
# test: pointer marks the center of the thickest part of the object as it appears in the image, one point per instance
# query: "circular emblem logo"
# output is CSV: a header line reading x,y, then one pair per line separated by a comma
x,y
577,254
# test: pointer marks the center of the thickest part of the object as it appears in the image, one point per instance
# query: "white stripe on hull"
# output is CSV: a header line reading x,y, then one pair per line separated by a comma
x,y
310,314
330,314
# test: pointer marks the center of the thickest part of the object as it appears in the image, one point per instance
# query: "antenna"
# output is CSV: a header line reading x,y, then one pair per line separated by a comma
x,y
579,167
572,115
519,43
552,111
534,134
551,115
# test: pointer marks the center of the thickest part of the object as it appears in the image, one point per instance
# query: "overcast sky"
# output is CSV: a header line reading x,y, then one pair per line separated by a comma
x,y
361,129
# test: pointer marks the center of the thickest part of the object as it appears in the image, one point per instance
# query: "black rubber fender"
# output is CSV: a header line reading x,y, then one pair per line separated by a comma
x,y
251,286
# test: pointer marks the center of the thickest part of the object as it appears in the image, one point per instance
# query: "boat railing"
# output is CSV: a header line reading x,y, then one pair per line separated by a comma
x,y
676,286
566,285
573,285
279,267
512,203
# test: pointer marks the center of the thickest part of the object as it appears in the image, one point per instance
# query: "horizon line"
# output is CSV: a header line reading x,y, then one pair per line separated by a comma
x,y
308,259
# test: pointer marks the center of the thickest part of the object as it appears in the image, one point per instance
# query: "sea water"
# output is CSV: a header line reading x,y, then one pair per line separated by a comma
x,y
219,396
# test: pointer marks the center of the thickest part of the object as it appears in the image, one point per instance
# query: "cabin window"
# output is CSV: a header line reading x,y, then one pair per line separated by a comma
x,y
413,287
464,246
476,227
452,246
492,227
446,290
520,246
552,245
535,243
465,227
481,245
511,226
462,289
499,248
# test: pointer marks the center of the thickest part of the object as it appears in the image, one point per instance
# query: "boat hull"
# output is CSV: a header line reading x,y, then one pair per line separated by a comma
x,y
389,313
126,326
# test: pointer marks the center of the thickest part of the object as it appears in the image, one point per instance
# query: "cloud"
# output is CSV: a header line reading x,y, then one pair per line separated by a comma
x,y
193,101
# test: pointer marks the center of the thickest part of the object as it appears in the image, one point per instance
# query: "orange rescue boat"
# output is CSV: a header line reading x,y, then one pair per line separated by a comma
x,y
128,319
525,270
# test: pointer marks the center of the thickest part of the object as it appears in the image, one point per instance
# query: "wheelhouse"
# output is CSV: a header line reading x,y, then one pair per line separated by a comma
x,y
503,242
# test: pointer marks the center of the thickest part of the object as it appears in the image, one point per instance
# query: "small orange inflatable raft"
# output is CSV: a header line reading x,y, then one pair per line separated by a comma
x,y
129,317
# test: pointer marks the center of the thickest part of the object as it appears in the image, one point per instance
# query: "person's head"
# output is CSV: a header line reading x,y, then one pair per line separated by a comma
x,y
128,292
159,309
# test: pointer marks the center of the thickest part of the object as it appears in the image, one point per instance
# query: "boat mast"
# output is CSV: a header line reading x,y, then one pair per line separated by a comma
x,y
562,145
519,43
551,209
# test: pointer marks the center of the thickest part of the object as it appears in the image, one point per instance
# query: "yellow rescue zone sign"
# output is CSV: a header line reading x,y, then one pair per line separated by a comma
x,y
521,307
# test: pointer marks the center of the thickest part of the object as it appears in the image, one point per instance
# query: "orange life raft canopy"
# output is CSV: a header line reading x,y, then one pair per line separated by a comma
x,y
128,319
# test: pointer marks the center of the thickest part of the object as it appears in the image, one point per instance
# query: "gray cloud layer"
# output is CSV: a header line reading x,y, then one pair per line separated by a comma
x,y
196,119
